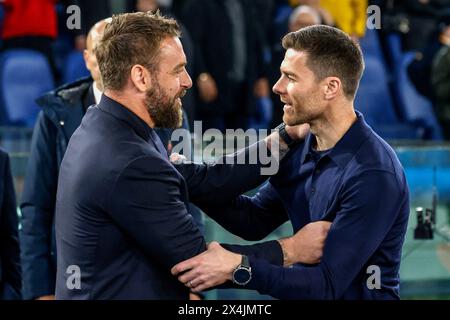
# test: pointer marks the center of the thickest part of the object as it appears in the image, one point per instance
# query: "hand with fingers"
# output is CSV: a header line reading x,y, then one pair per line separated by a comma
x,y
216,265
208,269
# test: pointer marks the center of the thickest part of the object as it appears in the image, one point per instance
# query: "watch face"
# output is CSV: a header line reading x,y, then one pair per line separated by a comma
x,y
241,276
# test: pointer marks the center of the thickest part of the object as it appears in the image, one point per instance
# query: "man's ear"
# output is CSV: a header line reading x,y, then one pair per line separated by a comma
x,y
86,57
332,87
140,77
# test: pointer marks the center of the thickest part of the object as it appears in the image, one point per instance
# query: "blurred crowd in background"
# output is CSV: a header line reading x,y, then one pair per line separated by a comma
x,y
234,53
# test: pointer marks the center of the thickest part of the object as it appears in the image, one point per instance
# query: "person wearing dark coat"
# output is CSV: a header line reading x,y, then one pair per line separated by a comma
x,y
230,70
62,111
440,82
10,273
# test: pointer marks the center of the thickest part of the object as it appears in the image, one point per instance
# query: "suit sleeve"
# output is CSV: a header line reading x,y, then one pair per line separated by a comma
x,y
362,216
219,182
146,201
251,218
37,207
9,238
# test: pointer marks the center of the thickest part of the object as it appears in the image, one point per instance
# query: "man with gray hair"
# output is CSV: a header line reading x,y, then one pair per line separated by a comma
x,y
303,16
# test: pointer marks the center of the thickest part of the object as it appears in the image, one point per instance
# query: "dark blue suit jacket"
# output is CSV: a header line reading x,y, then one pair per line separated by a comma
x,y
10,274
62,111
121,210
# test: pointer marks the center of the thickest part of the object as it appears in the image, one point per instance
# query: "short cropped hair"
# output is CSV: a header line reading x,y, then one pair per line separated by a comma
x,y
330,52
130,39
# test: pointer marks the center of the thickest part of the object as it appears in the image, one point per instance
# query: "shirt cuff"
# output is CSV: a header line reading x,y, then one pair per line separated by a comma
x,y
269,251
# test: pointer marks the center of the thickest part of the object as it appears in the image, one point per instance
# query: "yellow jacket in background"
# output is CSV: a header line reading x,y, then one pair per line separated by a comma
x,y
349,15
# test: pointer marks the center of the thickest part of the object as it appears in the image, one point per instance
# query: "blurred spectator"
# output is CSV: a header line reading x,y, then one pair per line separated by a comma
x,y
146,5
416,20
264,10
10,275
121,6
394,17
62,111
91,12
30,25
440,79
424,16
349,15
229,60
303,16
178,7
325,15
419,71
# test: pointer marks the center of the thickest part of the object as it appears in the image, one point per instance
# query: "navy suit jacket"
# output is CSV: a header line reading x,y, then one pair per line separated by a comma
x,y
10,273
121,210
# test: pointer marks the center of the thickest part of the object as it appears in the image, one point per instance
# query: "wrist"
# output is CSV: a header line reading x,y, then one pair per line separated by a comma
x,y
242,274
286,247
235,261
274,138
284,135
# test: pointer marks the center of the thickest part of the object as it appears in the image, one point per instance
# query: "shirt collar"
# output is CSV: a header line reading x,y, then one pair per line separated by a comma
x,y
97,93
346,147
122,113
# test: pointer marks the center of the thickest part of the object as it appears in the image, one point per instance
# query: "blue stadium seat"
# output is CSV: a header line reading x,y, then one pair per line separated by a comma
x,y
374,100
415,107
74,67
371,45
61,48
394,48
24,76
282,13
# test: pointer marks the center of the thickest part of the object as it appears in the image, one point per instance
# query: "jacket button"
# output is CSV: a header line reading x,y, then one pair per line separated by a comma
x,y
61,123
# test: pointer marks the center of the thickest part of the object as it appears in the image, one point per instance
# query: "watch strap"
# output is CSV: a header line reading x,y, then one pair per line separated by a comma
x,y
284,135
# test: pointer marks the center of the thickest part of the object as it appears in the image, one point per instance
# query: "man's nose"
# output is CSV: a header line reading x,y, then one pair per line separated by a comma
x,y
277,87
187,81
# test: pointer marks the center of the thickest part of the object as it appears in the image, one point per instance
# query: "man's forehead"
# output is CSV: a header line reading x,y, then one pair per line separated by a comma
x,y
293,55
294,59
172,44
171,47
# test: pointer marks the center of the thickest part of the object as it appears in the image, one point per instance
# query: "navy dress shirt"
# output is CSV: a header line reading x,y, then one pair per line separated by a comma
x,y
360,186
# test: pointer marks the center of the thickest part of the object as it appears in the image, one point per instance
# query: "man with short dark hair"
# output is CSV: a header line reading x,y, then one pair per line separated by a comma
x,y
343,172
121,213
